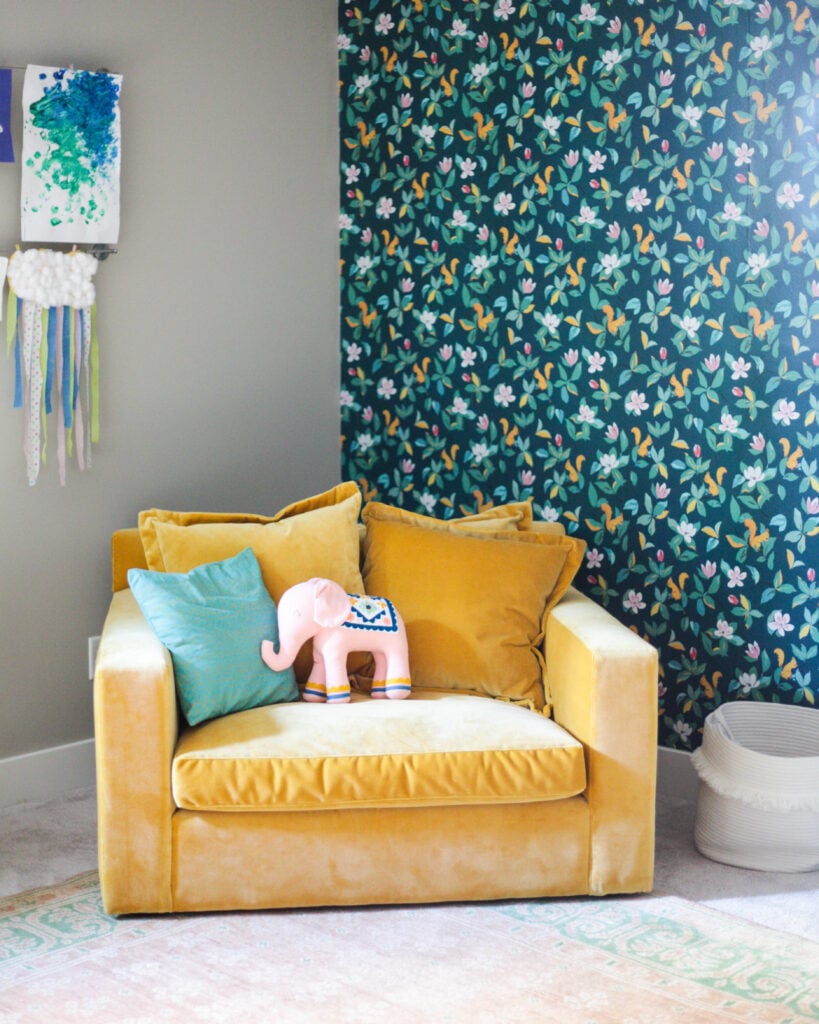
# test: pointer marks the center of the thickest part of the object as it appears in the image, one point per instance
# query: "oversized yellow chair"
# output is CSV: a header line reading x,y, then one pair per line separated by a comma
x,y
458,793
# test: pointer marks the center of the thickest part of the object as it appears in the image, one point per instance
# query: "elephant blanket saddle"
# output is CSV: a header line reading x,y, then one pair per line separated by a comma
x,y
374,613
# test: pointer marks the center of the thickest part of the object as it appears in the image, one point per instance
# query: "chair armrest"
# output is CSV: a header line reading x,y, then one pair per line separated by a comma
x,y
603,682
135,724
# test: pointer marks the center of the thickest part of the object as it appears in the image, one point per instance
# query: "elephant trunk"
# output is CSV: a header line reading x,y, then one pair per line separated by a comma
x,y
282,658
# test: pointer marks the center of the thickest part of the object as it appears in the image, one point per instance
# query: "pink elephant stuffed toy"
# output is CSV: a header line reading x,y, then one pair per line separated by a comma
x,y
340,623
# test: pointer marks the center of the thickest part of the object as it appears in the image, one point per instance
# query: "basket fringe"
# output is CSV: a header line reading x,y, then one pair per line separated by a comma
x,y
763,799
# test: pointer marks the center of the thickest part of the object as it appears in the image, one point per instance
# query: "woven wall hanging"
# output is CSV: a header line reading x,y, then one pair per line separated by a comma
x,y
52,330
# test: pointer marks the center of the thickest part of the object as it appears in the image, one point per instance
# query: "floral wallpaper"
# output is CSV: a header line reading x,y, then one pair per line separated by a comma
x,y
579,264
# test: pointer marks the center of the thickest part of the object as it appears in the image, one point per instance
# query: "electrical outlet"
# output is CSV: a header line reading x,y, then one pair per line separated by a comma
x,y
93,644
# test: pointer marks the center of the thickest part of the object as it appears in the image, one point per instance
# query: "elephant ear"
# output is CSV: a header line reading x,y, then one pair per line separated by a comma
x,y
331,605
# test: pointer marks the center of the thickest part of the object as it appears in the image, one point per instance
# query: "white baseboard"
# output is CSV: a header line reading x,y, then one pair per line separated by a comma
x,y
676,777
45,774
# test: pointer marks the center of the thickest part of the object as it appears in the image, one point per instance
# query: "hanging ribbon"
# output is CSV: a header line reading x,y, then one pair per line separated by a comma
x,y
52,328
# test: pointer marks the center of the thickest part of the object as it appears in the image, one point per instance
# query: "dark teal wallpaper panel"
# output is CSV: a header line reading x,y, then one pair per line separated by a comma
x,y
579,264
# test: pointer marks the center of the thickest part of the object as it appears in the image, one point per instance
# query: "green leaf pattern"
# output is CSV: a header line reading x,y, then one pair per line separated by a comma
x,y
580,263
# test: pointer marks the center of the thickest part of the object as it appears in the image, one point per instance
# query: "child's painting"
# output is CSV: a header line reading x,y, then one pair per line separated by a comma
x,y
71,156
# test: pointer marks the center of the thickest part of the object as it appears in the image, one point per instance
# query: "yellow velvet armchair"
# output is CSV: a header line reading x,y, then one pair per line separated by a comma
x,y
459,793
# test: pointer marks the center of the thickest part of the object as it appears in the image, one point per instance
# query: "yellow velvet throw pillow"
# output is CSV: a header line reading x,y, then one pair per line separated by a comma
x,y
317,536
474,603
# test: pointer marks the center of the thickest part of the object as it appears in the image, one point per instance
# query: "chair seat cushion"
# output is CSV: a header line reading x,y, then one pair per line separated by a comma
x,y
433,749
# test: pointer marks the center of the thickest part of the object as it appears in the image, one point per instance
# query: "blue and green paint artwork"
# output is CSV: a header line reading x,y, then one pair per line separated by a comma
x,y
71,155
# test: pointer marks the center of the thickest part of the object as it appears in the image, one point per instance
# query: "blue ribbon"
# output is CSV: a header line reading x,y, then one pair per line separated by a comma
x,y
68,415
52,357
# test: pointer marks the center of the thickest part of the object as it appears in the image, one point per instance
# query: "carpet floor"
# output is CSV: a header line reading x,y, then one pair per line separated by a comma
x,y
636,960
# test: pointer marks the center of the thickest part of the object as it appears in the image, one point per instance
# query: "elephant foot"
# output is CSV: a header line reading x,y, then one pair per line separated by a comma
x,y
391,689
338,695
314,693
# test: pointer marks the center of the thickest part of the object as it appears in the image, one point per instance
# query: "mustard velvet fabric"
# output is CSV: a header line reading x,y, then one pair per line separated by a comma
x,y
474,604
315,537
155,857
371,856
127,553
515,515
135,728
149,518
604,689
441,750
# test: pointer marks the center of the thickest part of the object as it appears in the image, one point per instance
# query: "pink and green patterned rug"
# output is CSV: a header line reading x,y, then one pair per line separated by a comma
x,y
634,960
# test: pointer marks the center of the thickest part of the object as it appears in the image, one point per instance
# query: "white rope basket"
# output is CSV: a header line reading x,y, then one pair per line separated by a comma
x,y
758,803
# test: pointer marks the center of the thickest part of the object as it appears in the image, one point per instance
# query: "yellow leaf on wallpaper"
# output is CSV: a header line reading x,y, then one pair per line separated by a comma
x,y
742,118
524,206
679,443
735,542
738,332
530,267
683,236
594,328
684,26
556,99
573,321
446,317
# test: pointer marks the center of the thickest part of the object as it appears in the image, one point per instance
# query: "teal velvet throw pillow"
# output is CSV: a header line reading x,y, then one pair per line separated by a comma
x,y
213,620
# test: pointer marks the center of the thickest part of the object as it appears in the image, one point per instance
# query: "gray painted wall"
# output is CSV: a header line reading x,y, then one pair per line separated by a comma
x,y
217,319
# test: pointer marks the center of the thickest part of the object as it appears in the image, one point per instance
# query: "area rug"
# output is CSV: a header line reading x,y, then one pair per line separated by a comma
x,y
632,960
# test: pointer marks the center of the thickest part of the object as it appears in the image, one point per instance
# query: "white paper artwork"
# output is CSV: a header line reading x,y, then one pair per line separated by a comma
x,y
71,156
